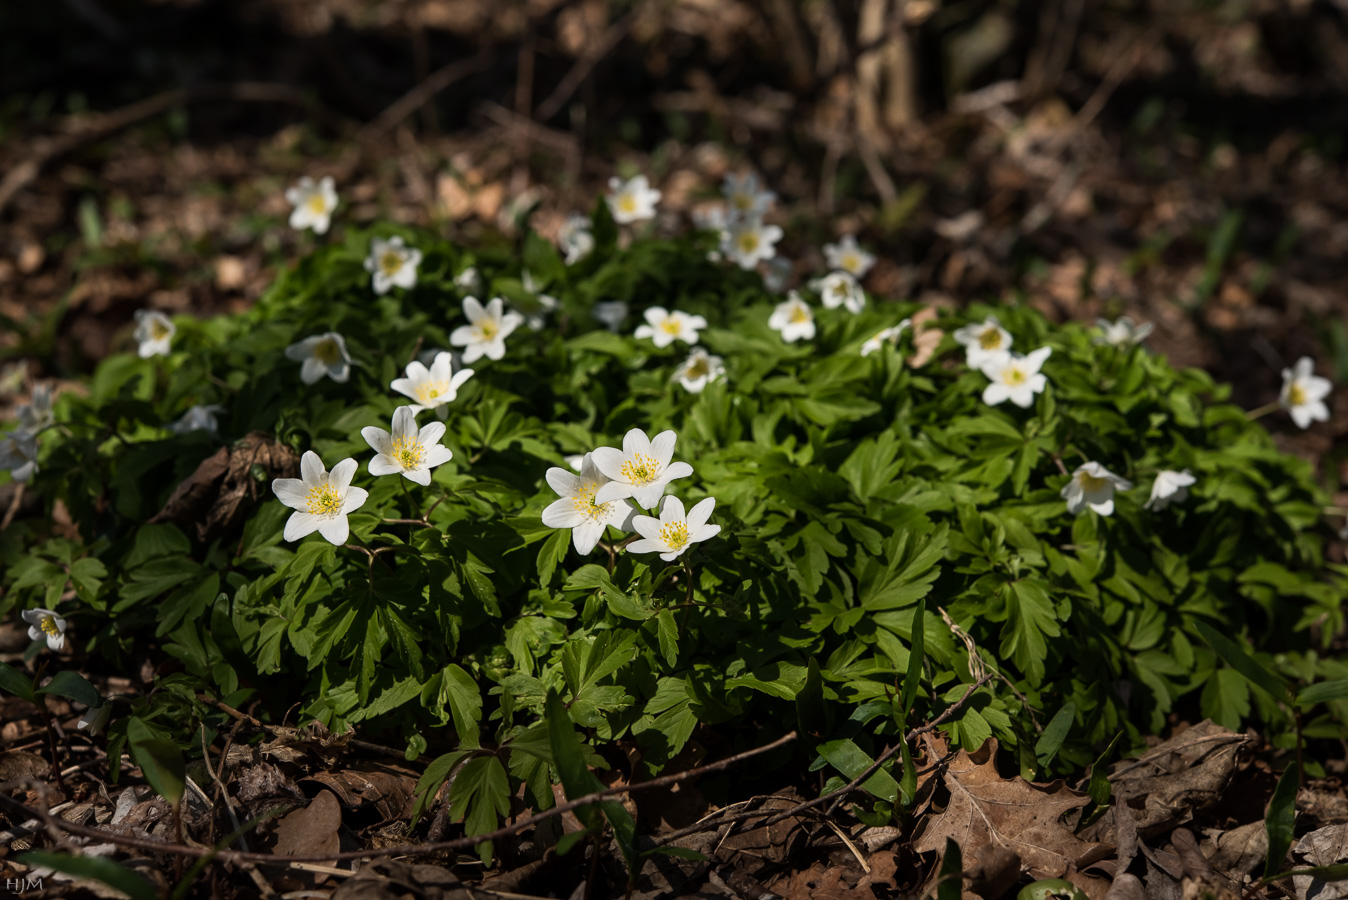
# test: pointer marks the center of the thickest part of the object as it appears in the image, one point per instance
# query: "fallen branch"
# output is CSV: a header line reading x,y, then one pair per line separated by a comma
x,y
464,843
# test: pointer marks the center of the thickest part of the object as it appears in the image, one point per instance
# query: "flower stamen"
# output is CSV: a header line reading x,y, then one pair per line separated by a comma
x,y
322,500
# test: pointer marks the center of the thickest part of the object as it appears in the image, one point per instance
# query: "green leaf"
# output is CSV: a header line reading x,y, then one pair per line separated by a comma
x,y
577,779
1281,818
1050,742
72,686
158,757
95,868
465,703
1337,872
1323,692
15,682
668,633
551,554
430,781
479,796
851,760
1099,787
951,883
1242,662
913,677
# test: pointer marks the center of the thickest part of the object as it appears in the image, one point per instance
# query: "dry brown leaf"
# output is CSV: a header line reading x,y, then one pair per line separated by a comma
x,y
311,830
217,497
986,810
926,336
1325,847
388,789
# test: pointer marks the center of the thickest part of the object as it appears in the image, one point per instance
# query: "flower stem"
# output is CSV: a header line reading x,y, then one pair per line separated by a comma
x,y
1262,411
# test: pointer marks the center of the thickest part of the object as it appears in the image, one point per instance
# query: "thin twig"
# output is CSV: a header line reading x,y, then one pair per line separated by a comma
x,y
581,70
420,95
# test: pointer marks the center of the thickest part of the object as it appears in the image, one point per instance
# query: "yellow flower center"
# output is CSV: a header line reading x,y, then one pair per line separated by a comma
x,y
427,391
627,203
317,204
800,313
158,329
327,352
391,262
584,501
641,469
742,201
990,339
671,326
49,626
486,329
323,500
408,452
748,242
697,368
1014,375
675,535
1296,394
851,262
1090,483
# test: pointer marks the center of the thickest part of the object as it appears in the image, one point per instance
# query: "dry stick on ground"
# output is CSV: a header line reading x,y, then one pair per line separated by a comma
x,y
84,129
420,95
464,843
583,66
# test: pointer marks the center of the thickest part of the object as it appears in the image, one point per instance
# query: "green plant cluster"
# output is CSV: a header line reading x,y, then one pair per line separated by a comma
x,y
859,497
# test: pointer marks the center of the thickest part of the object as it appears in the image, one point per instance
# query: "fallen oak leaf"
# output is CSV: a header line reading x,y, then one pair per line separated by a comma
x,y
987,810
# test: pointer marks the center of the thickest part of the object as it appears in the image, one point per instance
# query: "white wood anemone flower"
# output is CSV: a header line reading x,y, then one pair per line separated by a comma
x,y
37,414
698,370
578,509
1093,486
675,531
665,327
749,242
432,387
45,625
95,718
983,343
1169,487
793,319
487,329
392,263
322,354
884,336
18,454
469,281
840,289
314,204
576,238
1122,332
407,450
1303,393
846,255
154,332
322,500
743,196
198,418
543,304
632,200
640,470
1015,377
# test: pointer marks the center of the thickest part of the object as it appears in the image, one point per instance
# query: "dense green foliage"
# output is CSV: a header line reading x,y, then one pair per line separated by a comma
x,y
852,491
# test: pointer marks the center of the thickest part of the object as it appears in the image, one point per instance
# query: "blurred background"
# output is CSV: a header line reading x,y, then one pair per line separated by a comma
x,y
1179,161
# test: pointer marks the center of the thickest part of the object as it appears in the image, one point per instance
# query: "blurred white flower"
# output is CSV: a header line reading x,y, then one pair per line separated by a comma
x,y
322,500
699,369
487,329
883,336
749,242
95,718
664,327
611,313
846,255
675,531
36,414
43,624
536,317
407,450
632,200
18,454
1093,486
322,354
313,204
776,274
1303,393
1015,377
154,331
198,418
470,281
793,319
576,239
840,288
576,460
432,387
641,469
983,343
392,263
743,196
1169,487
578,509
1122,332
